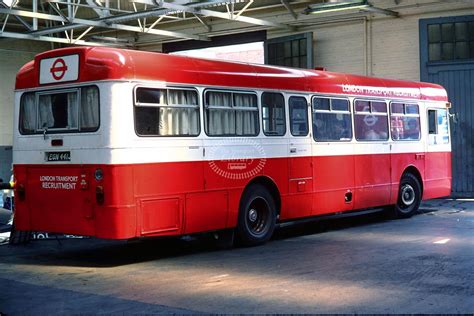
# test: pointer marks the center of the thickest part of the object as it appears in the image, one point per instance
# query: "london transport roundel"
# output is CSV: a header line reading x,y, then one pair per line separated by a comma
x,y
59,69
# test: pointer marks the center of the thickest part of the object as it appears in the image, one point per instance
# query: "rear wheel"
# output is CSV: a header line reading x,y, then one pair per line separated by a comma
x,y
409,196
257,216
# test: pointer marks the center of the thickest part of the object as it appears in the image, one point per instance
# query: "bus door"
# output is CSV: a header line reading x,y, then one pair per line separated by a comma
x,y
373,154
300,159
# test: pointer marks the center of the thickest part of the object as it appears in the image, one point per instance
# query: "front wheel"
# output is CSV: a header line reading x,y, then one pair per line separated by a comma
x,y
257,216
409,196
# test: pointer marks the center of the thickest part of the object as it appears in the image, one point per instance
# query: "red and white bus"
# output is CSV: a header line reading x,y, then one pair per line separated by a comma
x,y
123,144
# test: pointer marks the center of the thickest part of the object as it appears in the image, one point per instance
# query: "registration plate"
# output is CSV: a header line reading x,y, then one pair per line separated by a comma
x,y
58,156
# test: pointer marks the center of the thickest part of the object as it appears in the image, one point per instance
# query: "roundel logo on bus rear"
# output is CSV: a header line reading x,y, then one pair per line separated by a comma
x,y
58,69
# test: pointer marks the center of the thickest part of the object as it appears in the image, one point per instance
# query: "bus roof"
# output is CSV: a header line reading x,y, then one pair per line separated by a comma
x,y
83,64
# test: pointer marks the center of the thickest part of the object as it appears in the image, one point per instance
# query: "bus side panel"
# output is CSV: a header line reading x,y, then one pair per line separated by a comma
x,y
116,217
333,178
437,175
160,196
372,180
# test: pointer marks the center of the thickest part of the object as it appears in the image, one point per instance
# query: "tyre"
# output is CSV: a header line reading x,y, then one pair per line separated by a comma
x,y
409,196
257,216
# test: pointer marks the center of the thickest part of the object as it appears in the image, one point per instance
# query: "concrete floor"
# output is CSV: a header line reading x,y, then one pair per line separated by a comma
x,y
361,265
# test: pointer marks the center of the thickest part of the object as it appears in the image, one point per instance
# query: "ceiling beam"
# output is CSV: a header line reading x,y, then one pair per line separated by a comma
x,y
50,39
195,9
82,23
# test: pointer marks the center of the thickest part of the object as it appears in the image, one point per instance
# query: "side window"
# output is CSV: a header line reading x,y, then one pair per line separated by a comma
x,y
438,130
331,120
231,113
298,116
166,112
370,120
404,121
273,114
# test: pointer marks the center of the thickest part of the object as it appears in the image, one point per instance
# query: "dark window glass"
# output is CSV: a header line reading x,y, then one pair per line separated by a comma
x,y
298,116
370,120
461,31
290,51
405,124
434,33
447,32
432,125
339,105
273,114
397,108
60,111
378,107
329,126
462,50
451,41
412,109
362,106
321,104
434,51
152,96
447,51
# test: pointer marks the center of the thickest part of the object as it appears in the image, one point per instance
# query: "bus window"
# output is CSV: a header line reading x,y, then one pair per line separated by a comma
x,y
231,113
331,123
438,129
298,116
273,114
166,112
370,120
60,111
404,121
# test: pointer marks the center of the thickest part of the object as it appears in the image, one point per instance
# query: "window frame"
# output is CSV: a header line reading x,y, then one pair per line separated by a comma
x,y
290,117
386,114
404,115
38,93
331,111
158,105
284,113
232,108
436,109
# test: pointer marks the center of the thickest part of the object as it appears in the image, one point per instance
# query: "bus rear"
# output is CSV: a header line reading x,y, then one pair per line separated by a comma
x,y
63,148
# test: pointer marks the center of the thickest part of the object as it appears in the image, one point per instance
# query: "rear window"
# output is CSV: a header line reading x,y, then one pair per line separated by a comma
x,y
69,110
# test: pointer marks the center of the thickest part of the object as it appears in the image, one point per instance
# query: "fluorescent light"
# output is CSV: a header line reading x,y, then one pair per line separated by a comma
x,y
336,6
442,241
8,2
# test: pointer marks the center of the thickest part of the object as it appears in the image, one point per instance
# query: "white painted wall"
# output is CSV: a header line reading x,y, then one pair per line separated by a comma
x,y
13,55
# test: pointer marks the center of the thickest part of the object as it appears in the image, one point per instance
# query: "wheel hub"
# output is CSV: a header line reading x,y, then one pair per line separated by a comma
x,y
253,215
408,195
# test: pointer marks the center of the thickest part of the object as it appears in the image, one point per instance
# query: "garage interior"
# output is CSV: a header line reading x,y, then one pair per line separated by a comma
x,y
418,266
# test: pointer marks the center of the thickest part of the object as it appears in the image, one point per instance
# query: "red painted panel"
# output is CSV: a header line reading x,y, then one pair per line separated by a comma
x,y
160,215
69,207
372,180
205,211
333,178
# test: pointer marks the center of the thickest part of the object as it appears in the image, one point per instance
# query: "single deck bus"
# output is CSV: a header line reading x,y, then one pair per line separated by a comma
x,y
124,144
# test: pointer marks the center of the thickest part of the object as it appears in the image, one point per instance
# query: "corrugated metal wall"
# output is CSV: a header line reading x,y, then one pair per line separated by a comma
x,y
457,77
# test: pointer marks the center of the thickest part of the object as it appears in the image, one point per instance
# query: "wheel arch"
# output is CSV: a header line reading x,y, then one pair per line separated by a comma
x,y
270,185
414,171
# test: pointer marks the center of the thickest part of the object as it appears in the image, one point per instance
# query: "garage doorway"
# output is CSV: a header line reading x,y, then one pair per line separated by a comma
x,y
447,58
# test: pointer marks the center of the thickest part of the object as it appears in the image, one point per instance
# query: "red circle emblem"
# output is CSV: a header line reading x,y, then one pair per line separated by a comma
x,y
59,68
